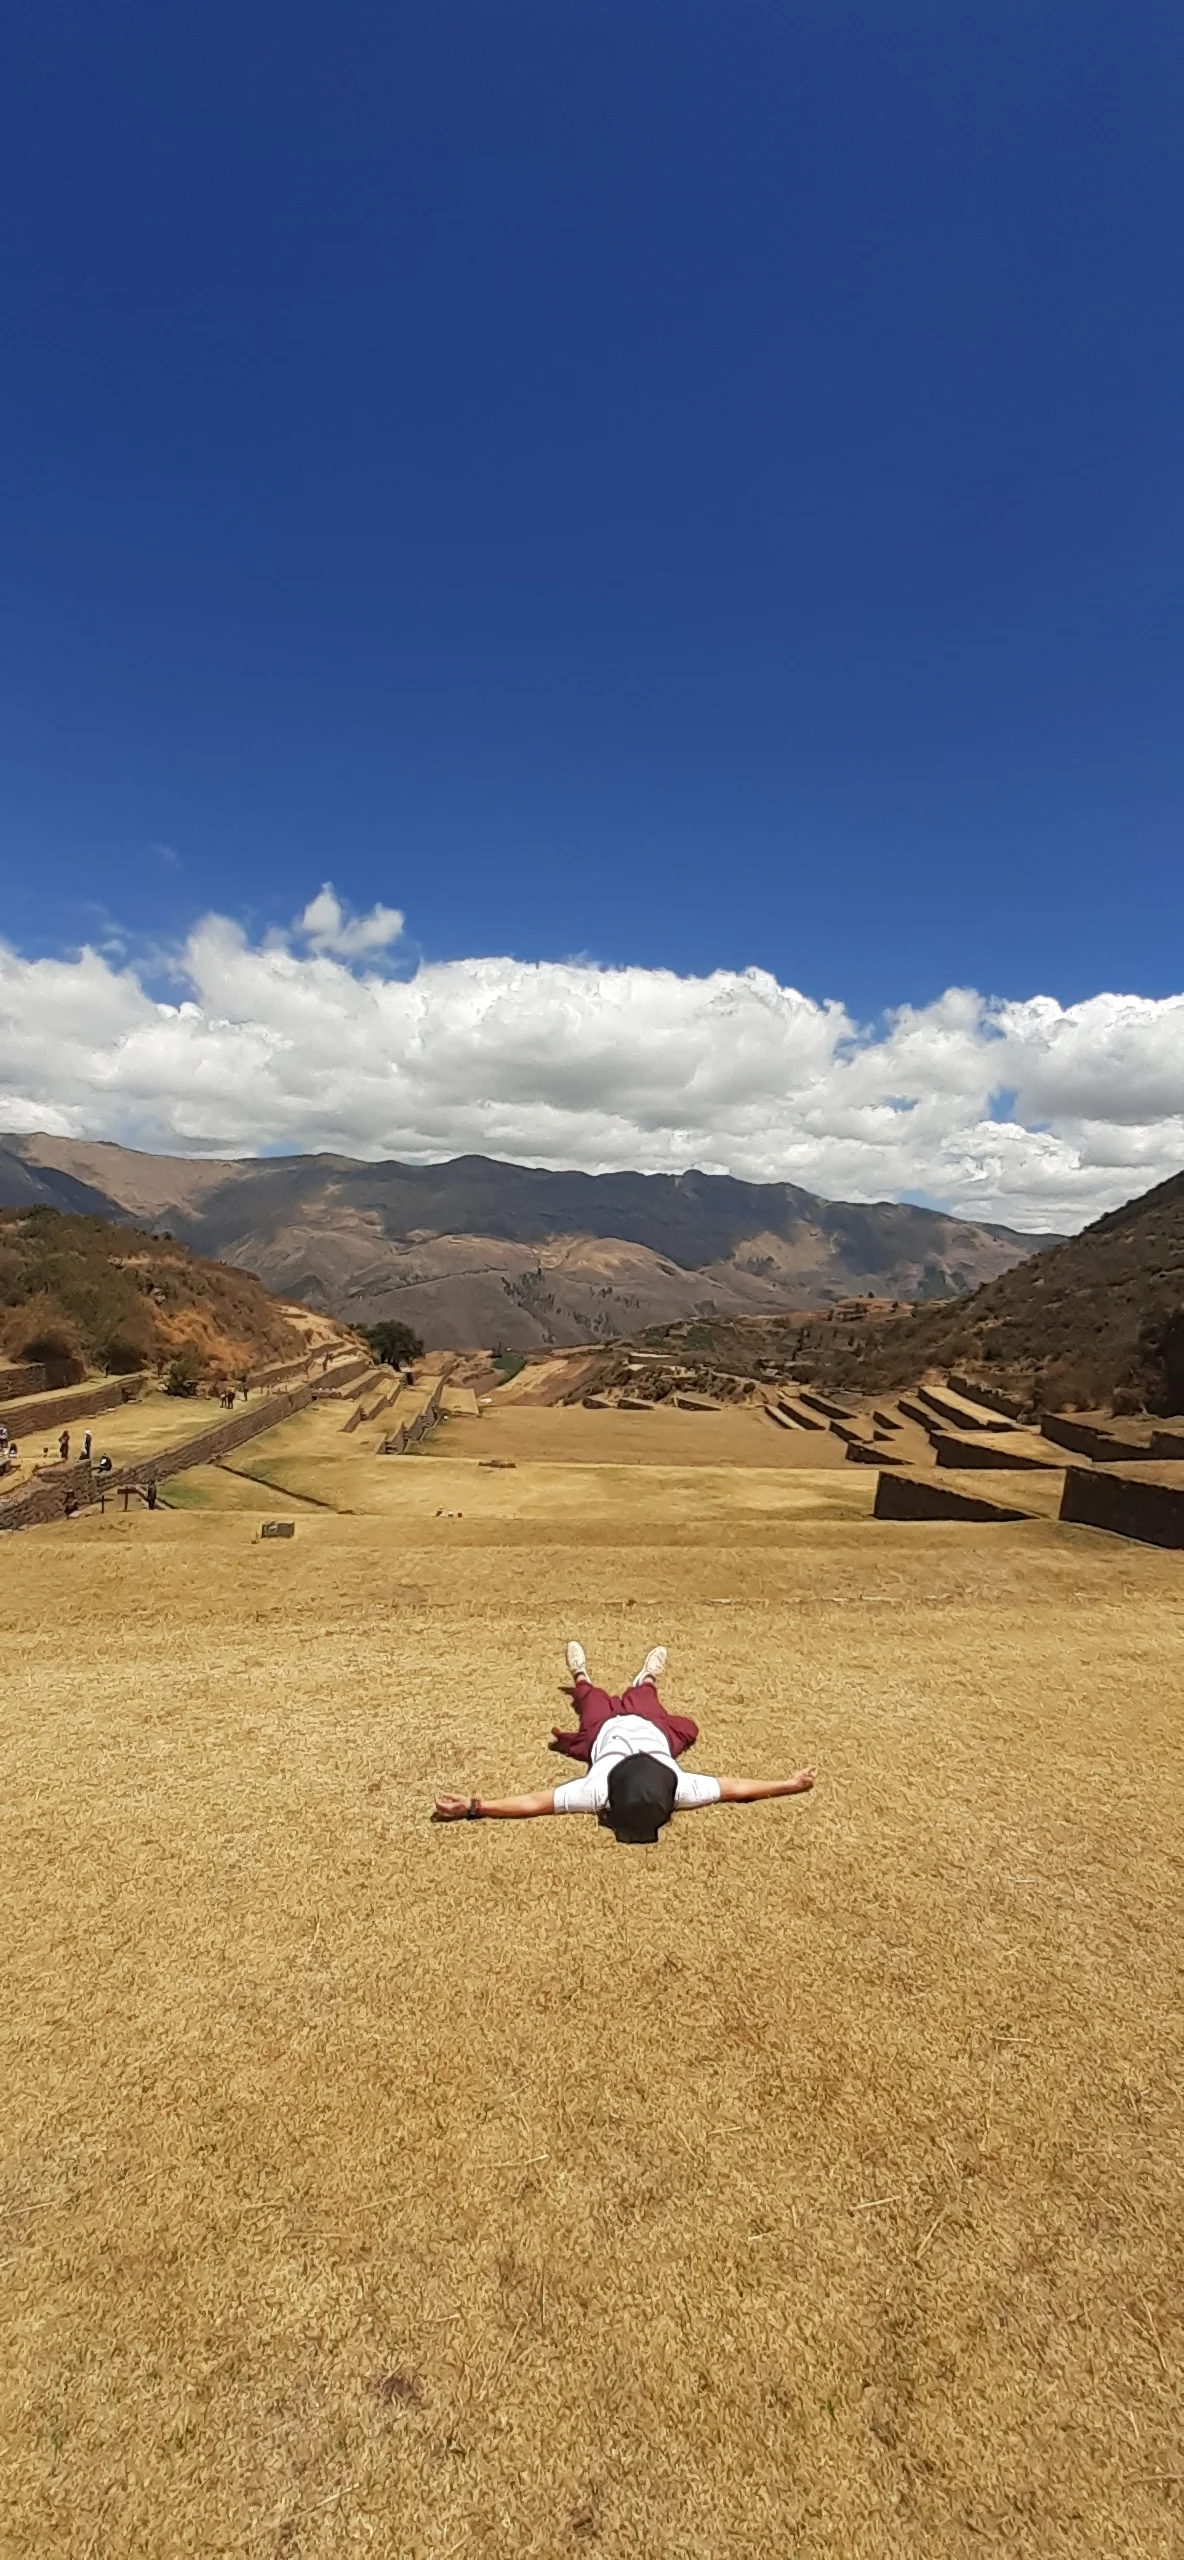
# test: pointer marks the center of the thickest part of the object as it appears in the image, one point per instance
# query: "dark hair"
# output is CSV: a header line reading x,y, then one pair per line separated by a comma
x,y
641,1792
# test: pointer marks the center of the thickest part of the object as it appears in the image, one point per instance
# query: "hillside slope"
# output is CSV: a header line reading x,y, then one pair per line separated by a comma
x,y
478,1251
78,1292
1096,1319
25,1184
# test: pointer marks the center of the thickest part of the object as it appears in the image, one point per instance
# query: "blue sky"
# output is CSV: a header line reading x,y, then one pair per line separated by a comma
x,y
697,487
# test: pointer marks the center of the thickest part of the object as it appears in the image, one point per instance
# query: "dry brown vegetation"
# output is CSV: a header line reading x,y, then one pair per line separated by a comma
x,y
807,2184
82,1293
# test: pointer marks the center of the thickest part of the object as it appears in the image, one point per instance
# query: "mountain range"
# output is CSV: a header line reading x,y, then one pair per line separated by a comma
x,y
475,1251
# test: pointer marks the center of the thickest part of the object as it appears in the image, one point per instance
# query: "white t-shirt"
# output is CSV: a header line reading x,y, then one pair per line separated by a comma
x,y
618,1740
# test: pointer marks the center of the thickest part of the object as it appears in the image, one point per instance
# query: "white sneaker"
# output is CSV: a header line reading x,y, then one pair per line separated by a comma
x,y
653,1666
577,1660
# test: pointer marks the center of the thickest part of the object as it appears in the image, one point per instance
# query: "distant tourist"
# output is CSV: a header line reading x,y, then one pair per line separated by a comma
x,y
632,1746
64,1445
150,1496
104,1467
86,1444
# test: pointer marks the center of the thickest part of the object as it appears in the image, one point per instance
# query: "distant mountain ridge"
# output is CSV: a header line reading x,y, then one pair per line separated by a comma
x,y
476,1251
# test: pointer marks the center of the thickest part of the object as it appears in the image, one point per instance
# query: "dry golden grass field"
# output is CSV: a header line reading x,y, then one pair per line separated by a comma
x,y
808,2184
665,1436
499,1477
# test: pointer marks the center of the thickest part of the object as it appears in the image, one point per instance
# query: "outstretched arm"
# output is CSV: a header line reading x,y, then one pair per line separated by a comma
x,y
753,1790
494,1808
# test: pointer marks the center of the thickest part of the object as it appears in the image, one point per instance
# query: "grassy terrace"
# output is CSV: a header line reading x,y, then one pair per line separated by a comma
x,y
150,1422
808,2183
445,1491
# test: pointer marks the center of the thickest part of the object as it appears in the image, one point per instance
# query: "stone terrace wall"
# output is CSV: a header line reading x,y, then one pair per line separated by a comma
x,y
1086,1441
362,1367
45,1496
279,1370
72,1404
208,1446
923,1498
950,1451
31,1380
1129,1506
993,1397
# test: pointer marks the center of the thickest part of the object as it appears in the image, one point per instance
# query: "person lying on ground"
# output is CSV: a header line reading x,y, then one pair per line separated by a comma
x,y
632,1746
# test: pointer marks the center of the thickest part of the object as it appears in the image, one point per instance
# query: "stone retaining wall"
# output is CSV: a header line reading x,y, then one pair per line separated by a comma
x,y
46,1494
407,1434
813,1397
208,1446
44,1497
1087,1441
32,1379
73,1404
277,1371
359,1368
993,1397
926,1498
952,1410
398,1442
299,1368
952,1452
1129,1506
914,1412
334,1381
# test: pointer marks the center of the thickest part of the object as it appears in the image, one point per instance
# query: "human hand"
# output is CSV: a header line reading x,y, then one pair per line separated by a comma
x,y
451,1808
802,1781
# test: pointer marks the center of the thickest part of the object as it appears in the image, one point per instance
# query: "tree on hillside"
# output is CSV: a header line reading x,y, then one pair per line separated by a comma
x,y
392,1342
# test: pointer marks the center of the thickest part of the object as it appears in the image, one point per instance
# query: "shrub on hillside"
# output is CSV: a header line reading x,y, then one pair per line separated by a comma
x,y
54,1344
1161,1360
118,1354
38,1333
121,1299
183,1372
1077,1385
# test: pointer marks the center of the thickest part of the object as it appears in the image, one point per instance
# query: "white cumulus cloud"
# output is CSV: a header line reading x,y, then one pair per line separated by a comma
x,y
325,925
1030,1112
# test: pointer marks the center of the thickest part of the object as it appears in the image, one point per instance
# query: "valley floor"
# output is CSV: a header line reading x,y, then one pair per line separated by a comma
x,y
807,2184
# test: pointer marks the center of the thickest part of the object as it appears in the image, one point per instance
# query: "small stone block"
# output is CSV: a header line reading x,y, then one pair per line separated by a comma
x,y
278,1529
